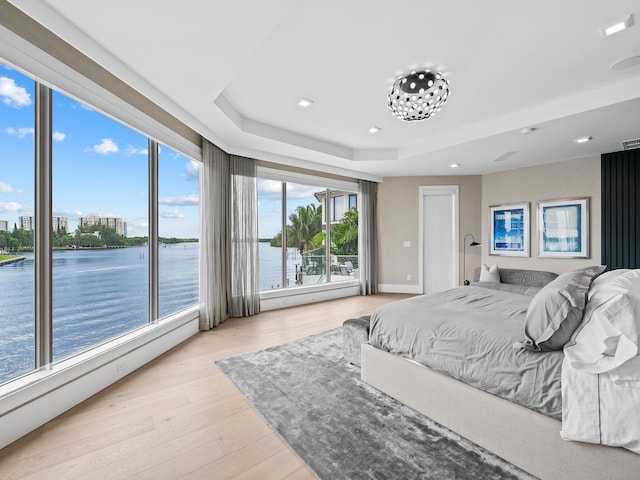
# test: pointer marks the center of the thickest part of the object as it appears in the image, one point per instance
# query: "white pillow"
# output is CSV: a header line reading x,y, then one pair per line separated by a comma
x,y
608,335
489,274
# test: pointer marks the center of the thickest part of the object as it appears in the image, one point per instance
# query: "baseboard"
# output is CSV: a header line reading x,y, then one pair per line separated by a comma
x,y
399,288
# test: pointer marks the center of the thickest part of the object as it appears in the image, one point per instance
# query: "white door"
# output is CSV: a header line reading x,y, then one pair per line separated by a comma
x,y
439,237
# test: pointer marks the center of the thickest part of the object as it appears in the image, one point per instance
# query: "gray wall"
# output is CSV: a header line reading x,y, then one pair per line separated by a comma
x,y
568,179
398,216
398,221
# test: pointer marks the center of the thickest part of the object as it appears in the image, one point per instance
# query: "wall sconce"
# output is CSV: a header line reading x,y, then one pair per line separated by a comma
x,y
464,255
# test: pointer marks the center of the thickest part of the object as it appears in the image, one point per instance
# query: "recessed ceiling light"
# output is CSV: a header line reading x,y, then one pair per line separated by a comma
x,y
454,165
623,24
304,102
374,129
582,139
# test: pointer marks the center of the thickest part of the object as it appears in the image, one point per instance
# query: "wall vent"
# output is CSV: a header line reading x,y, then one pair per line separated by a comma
x,y
631,144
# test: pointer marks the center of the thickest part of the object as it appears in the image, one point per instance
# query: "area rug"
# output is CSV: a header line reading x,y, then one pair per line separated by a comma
x,y
345,429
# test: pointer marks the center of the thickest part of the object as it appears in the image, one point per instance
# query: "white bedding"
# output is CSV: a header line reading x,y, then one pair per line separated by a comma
x,y
601,368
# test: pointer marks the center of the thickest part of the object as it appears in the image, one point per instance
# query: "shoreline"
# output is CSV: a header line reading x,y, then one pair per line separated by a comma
x,y
12,260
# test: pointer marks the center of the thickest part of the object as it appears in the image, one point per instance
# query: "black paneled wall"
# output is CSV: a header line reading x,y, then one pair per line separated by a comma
x,y
621,209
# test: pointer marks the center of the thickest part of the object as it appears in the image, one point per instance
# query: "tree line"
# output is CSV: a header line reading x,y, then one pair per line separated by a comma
x,y
305,231
94,236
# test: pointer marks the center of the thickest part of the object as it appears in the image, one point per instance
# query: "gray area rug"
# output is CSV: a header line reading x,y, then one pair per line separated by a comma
x,y
345,429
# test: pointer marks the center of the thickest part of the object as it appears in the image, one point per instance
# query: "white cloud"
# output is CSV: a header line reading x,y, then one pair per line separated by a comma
x,y
12,94
20,132
182,200
106,147
193,170
137,227
172,213
301,191
6,188
68,213
131,150
13,207
58,136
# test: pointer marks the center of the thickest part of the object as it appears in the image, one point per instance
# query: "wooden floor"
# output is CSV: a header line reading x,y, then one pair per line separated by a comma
x,y
179,417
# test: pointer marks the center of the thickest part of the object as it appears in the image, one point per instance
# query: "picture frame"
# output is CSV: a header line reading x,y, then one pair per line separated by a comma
x,y
509,230
563,228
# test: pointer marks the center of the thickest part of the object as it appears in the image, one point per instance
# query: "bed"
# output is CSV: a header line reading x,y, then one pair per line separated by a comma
x,y
419,351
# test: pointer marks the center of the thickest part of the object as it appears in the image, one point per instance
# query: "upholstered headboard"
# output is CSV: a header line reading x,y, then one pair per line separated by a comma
x,y
518,280
520,276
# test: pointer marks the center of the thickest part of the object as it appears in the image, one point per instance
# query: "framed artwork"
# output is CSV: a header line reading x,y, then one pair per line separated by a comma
x,y
563,228
509,230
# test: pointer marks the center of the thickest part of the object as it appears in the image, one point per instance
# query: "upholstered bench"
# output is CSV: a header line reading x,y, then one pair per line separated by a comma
x,y
355,332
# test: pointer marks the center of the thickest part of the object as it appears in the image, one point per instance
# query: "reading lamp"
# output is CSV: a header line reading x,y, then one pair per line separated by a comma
x,y
464,255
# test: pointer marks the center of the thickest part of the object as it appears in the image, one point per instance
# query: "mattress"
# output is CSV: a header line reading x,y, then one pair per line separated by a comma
x,y
469,333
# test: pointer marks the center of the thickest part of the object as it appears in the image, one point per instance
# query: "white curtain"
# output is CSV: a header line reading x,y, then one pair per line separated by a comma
x,y
245,277
229,277
368,262
215,244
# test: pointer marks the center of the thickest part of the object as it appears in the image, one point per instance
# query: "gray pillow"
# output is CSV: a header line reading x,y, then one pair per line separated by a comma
x,y
556,311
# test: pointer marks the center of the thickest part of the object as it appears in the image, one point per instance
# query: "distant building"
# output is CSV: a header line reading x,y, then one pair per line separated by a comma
x,y
4,226
60,223
116,223
26,223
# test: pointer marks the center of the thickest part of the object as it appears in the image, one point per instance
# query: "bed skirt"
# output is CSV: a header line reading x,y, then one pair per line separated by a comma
x,y
528,439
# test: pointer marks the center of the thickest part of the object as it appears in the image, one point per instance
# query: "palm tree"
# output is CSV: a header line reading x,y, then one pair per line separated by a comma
x,y
306,223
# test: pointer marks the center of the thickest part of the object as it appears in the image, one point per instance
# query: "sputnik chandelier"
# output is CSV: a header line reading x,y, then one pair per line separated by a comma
x,y
418,95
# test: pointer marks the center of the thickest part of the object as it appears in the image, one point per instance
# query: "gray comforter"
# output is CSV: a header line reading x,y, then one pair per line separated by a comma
x,y
469,333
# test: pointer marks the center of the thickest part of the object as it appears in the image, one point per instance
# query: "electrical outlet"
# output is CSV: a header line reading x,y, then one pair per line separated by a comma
x,y
408,276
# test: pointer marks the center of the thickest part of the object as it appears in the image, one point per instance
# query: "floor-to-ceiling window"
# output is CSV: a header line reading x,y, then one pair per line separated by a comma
x,y
305,252
100,177
270,250
293,214
17,324
103,275
344,235
178,209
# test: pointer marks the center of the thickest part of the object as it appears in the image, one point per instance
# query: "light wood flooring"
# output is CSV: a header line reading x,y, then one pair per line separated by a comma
x,y
179,417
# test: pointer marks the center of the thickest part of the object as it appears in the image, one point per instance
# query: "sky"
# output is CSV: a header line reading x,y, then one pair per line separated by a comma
x,y
99,166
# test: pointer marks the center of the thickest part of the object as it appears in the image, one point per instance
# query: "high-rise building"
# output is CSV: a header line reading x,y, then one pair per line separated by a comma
x,y
60,223
117,223
4,226
26,223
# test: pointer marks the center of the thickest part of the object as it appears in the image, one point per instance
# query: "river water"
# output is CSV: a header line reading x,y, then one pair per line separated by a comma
x,y
99,295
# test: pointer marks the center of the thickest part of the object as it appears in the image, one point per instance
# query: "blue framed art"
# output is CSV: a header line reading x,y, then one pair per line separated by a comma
x,y
563,228
509,230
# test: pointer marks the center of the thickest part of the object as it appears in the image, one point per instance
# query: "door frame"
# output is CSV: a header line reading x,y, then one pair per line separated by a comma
x,y
439,190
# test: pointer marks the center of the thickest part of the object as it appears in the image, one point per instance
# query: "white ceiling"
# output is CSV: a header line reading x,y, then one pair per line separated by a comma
x,y
234,72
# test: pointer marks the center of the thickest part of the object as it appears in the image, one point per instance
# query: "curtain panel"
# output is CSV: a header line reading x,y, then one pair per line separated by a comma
x,y
229,276
245,275
369,238
215,238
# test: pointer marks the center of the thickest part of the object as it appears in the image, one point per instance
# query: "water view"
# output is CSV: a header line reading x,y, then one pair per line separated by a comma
x,y
97,295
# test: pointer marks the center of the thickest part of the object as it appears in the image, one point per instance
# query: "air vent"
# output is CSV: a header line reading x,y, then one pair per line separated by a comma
x,y
631,144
